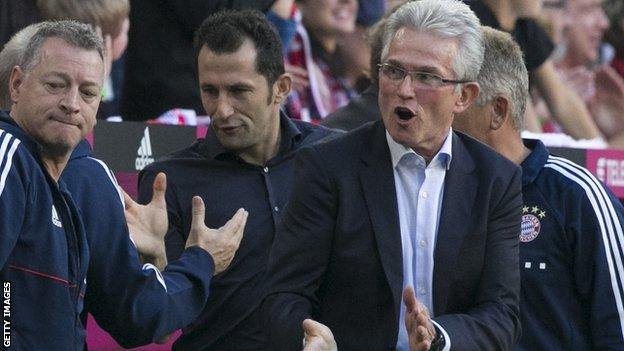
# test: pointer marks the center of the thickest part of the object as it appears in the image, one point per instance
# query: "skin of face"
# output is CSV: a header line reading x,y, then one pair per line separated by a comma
x,y
120,42
244,112
433,108
56,102
329,17
527,8
586,25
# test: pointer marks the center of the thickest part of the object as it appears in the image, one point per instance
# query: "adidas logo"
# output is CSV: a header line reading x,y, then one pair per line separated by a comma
x,y
55,218
144,153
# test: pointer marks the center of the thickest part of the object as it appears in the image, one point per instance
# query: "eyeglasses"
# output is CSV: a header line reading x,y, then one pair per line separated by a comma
x,y
419,79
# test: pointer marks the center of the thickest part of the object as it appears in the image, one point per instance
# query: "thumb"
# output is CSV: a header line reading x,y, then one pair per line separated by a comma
x,y
159,189
128,202
409,298
198,211
311,327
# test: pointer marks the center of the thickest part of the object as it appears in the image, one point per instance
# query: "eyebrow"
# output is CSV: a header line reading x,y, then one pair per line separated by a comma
x,y
66,77
425,69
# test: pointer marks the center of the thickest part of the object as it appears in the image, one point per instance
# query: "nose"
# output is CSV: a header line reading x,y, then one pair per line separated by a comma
x,y
69,102
224,107
405,90
603,20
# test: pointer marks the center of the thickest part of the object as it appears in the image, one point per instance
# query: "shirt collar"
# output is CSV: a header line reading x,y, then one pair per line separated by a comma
x,y
534,162
443,157
290,136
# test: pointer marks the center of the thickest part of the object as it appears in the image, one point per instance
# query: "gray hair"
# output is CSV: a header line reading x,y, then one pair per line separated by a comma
x,y
11,56
448,19
74,33
504,73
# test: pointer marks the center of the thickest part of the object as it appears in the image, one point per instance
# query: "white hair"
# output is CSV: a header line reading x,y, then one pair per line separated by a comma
x,y
448,19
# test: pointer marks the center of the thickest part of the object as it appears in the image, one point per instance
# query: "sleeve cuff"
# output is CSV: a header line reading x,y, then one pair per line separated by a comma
x,y
447,344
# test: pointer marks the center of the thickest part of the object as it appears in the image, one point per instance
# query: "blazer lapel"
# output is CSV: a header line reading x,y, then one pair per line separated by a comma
x,y
377,181
460,187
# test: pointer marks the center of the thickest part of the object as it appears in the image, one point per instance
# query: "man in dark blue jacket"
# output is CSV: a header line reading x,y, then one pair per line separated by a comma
x,y
44,251
571,239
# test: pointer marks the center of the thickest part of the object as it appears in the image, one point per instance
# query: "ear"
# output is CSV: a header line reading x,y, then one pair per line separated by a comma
x,y
468,93
501,112
15,82
281,88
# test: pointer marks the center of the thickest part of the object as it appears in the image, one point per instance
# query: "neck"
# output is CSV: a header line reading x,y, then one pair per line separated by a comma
x,y
54,165
260,154
325,40
510,145
504,13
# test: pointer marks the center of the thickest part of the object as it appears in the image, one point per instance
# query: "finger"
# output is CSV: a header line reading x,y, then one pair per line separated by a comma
x,y
198,217
423,334
421,308
314,328
159,188
309,326
236,224
409,298
128,202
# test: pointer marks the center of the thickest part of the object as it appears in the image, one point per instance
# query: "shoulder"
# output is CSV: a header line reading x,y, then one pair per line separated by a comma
x,y
349,142
482,154
170,161
14,154
312,133
564,176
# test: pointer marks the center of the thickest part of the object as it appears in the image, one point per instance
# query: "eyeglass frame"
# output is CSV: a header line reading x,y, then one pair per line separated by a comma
x,y
406,72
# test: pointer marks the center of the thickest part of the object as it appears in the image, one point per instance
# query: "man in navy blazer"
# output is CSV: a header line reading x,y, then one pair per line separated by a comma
x,y
404,202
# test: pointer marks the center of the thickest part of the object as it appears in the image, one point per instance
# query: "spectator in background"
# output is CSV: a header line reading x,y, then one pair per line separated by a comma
x,y
516,17
615,33
363,108
247,158
10,56
598,84
354,48
570,256
314,59
110,17
160,66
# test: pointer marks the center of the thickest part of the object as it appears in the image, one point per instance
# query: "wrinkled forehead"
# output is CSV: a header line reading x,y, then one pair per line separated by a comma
x,y
58,57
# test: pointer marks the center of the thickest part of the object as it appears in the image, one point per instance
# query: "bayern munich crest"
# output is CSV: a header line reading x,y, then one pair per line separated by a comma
x,y
531,224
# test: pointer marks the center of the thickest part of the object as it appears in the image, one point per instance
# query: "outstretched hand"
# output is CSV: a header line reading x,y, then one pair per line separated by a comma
x,y
221,243
420,330
148,223
317,337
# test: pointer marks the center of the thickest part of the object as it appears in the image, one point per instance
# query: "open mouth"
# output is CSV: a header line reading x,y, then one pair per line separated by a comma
x,y
404,113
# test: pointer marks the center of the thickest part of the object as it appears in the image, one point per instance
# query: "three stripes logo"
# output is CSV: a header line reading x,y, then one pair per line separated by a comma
x,y
8,145
144,153
55,218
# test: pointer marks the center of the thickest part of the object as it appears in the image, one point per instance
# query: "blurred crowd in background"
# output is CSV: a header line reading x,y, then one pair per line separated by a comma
x,y
577,71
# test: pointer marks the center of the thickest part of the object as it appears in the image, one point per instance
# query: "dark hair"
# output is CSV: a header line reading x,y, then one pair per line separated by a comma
x,y
224,32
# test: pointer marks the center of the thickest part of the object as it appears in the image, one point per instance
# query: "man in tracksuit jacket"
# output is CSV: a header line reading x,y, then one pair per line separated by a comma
x,y
571,240
135,303
44,250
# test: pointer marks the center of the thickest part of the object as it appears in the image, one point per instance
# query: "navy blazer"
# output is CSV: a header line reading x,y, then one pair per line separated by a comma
x,y
337,255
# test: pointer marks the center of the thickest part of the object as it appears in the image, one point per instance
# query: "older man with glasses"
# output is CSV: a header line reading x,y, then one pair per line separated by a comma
x,y
404,225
